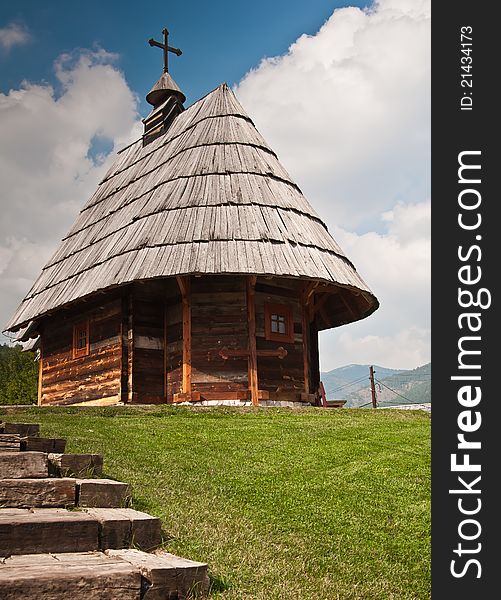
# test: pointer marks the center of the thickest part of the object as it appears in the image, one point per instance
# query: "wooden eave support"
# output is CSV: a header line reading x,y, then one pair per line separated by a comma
x,y
252,358
307,299
349,303
184,286
40,374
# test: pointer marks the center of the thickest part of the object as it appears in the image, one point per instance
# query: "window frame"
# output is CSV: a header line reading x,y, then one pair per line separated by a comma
x,y
85,350
278,309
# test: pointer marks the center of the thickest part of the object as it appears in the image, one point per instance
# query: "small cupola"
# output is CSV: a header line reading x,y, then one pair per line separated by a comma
x,y
165,96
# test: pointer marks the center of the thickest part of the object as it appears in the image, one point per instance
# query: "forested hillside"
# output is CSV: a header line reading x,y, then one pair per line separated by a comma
x,y
18,376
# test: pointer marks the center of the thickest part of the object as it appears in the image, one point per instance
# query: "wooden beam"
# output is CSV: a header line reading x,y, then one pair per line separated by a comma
x,y
124,361
40,372
252,360
226,353
184,286
349,303
165,354
130,348
305,328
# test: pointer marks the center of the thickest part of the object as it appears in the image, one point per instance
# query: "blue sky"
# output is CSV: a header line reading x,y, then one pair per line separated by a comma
x,y
339,90
221,40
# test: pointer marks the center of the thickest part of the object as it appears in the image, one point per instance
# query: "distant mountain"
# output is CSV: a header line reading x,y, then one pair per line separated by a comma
x,y
393,387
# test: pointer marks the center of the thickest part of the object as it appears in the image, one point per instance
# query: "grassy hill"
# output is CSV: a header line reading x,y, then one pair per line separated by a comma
x,y
394,387
282,504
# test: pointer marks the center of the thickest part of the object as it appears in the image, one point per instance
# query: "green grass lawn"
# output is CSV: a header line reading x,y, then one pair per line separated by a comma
x,y
307,504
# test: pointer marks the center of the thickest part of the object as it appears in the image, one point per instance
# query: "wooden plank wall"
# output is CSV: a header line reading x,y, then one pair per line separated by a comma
x,y
283,376
173,333
91,378
148,333
219,320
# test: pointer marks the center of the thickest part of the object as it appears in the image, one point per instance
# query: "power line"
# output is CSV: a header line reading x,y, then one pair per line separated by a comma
x,y
336,389
395,392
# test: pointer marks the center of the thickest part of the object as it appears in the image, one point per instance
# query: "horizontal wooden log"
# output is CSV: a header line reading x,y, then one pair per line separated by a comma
x,y
168,575
24,531
76,465
79,576
39,493
280,352
41,444
187,397
18,465
102,493
124,527
10,442
22,429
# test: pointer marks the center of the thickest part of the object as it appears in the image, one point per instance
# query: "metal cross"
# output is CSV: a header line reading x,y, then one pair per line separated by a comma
x,y
166,48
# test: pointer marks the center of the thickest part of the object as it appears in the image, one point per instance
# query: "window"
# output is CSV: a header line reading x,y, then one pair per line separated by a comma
x,y
278,324
81,339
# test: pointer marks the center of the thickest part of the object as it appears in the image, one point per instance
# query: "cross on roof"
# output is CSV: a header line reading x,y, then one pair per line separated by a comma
x,y
166,48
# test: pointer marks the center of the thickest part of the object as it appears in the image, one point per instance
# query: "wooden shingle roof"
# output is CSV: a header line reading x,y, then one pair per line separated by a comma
x,y
208,196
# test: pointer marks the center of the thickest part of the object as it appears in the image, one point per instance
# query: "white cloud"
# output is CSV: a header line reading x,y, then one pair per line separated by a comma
x,y
348,112
13,34
46,169
397,266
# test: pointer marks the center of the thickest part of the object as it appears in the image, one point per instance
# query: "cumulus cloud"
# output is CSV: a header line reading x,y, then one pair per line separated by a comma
x,y
348,112
396,264
47,166
13,34
345,109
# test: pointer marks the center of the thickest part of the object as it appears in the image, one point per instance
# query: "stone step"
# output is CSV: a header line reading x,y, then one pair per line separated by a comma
x,y
114,575
37,493
39,530
10,442
40,444
18,465
23,429
76,465
79,576
125,527
167,575
65,492
102,493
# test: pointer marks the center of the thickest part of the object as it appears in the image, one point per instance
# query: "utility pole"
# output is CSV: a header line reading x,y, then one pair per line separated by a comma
x,y
373,387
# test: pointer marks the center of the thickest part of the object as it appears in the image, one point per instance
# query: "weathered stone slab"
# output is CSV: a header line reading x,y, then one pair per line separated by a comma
x,y
79,576
10,442
76,465
40,444
16,465
23,429
124,527
39,493
167,575
40,530
102,493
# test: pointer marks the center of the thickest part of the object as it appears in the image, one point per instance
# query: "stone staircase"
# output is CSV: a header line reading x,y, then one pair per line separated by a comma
x,y
66,533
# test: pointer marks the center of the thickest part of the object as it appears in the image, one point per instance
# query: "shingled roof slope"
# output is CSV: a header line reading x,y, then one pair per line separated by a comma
x,y
208,196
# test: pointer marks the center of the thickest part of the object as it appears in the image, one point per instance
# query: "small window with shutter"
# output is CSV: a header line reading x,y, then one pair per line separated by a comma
x,y
81,339
278,323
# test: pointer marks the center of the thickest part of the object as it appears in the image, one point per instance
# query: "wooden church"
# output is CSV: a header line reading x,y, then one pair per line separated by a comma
x,y
197,272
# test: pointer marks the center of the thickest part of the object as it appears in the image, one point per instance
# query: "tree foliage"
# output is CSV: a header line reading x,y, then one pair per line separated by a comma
x,y
18,376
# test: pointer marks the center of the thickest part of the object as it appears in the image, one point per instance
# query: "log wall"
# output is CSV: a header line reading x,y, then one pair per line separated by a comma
x,y
148,306
285,376
218,322
92,378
